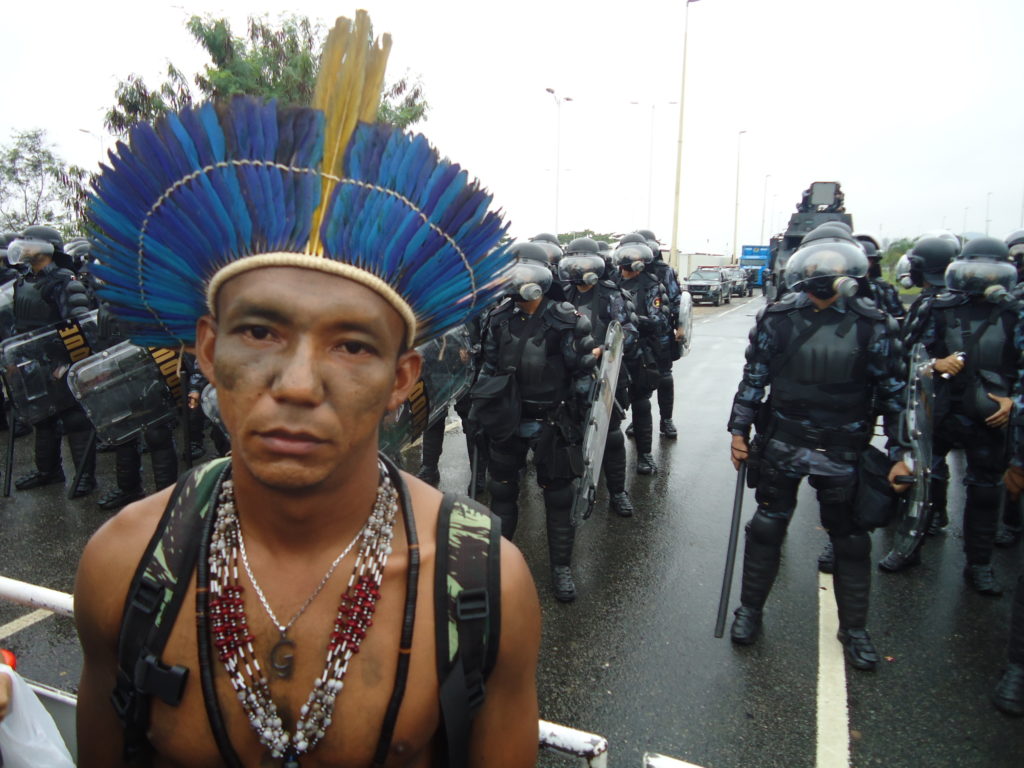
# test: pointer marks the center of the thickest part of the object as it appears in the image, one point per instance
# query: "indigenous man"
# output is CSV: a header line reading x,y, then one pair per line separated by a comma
x,y
326,254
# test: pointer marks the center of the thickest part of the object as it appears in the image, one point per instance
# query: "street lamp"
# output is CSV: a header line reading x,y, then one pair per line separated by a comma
x,y
650,159
99,139
558,145
764,201
988,204
674,253
736,214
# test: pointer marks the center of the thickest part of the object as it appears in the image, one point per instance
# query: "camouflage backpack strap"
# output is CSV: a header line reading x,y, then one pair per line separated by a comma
x,y
154,599
467,616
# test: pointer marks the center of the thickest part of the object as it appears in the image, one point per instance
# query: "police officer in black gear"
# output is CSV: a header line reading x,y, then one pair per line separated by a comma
x,y
885,295
553,252
666,356
602,302
1015,244
970,332
543,351
828,358
645,374
48,294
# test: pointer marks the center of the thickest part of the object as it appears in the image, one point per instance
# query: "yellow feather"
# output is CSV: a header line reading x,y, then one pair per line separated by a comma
x,y
347,90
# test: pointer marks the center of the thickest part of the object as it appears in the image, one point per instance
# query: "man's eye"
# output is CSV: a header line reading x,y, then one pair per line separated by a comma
x,y
355,347
258,332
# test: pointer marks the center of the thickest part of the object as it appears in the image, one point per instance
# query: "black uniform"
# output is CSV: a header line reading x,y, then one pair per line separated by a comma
x,y
829,371
645,371
40,299
548,374
666,354
984,332
603,304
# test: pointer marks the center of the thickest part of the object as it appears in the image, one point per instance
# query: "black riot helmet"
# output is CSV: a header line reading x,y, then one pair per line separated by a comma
x,y
634,256
46,234
6,238
871,248
584,245
79,249
825,268
582,263
829,232
983,269
634,237
545,237
929,258
1015,243
530,276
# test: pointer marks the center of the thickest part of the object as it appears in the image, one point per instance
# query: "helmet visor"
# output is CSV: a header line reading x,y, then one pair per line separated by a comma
x,y
27,251
975,276
827,260
579,269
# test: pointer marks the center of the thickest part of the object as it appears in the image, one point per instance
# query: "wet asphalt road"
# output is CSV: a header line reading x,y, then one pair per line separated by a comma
x,y
634,659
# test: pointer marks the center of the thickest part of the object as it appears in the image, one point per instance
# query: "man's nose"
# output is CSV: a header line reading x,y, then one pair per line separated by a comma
x,y
297,379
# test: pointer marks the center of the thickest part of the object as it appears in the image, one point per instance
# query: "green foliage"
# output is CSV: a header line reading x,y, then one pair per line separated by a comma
x,y
892,255
276,61
30,190
568,237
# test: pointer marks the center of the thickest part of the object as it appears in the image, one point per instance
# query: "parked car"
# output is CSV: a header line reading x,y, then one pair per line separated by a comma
x,y
709,284
737,279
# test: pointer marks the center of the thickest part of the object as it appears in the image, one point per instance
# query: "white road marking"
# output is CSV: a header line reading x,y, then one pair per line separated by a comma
x,y
833,713
23,622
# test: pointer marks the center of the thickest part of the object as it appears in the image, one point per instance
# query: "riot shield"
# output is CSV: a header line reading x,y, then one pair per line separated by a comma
x,y
447,375
211,408
685,324
917,430
7,310
35,364
599,416
126,389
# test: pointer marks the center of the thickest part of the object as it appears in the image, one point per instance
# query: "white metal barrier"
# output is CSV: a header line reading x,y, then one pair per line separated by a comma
x,y
589,748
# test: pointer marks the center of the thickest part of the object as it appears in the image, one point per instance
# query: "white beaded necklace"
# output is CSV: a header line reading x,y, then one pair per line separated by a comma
x,y
234,641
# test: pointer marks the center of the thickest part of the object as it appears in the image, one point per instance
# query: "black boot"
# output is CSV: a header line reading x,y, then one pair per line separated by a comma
x,y
893,562
433,442
645,464
83,453
668,429
164,458
981,512
1008,695
761,556
117,498
982,579
1009,532
561,534
48,462
629,431
852,583
746,627
430,475
621,504
937,506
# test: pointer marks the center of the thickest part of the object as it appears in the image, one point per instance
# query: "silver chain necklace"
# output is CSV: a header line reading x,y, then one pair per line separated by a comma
x,y
282,655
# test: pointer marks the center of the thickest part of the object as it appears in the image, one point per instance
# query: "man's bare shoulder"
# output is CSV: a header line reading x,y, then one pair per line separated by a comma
x,y
111,557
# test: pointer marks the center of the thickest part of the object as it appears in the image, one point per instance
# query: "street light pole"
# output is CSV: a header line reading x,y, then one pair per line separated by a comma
x,y
674,253
736,214
988,205
764,201
558,146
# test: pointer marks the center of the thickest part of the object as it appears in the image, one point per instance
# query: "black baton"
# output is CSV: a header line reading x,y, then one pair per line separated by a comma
x,y
90,453
730,555
9,458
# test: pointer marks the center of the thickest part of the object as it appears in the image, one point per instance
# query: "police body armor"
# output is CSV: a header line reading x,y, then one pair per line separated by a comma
x,y
540,372
35,364
979,330
821,375
127,389
31,310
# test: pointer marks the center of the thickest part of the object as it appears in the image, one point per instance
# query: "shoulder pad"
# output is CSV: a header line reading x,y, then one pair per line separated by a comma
x,y
866,307
947,299
502,309
64,275
564,314
610,284
785,304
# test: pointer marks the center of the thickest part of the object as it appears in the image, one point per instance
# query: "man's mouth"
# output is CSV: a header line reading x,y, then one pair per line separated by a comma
x,y
290,442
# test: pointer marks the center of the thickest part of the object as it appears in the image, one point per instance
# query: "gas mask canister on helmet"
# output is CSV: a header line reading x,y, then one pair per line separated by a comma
x,y
825,269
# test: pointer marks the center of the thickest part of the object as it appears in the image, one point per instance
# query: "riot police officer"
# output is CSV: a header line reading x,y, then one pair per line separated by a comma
x,y
603,302
633,256
668,352
48,294
537,353
969,331
885,295
827,359
553,251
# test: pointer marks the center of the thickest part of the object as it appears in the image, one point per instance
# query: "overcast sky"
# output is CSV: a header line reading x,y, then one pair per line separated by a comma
x,y
913,105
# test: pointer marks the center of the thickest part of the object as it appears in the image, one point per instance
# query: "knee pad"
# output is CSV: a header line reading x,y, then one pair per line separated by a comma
x,y
503,490
159,436
984,496
855,546
558,496
616,442
666,377
769,531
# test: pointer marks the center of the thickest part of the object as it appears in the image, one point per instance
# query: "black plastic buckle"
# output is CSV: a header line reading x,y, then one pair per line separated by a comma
x,y
154,678
147,597
472,604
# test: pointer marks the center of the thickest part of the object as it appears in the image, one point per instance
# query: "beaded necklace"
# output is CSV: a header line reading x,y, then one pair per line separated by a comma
x,y
234,641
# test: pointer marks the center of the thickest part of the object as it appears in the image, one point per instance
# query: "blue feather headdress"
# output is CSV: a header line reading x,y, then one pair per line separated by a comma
x,y
208,193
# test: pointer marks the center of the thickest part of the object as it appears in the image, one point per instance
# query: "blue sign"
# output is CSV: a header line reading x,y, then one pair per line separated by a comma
x,y
755,251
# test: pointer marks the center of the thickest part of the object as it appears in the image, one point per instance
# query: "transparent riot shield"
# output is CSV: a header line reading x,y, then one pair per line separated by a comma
x,y
126,389
447,375
7,310
917,434
685,323
211,407
599,416
36,363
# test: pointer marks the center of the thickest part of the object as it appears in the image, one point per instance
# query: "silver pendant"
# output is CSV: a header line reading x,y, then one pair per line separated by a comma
x,y
282,658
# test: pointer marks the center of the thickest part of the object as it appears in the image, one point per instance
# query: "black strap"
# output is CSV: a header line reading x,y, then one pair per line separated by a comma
x,y
477,615
805,329
140,673
973,339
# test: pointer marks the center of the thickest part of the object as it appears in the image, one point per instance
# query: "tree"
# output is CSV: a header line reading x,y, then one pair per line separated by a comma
x,y
273,61
30,188
567,237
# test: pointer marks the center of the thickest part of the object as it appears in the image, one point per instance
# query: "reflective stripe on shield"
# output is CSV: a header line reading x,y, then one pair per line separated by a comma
x,y
599,416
